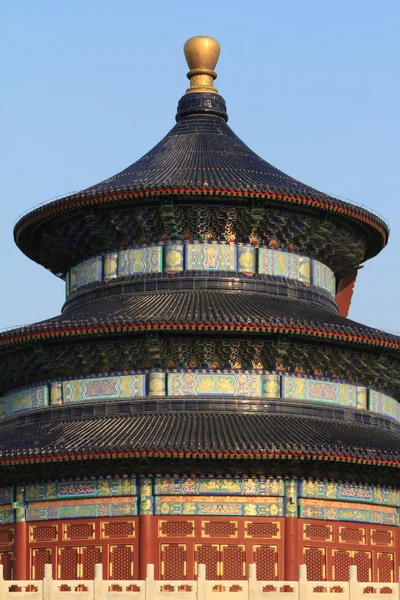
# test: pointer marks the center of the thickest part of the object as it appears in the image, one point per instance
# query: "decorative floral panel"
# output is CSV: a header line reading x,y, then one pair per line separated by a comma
x,y
135,261
217,485
346,511
100,507
174,258
211,257
104,388
284,264
219,505
110,269
215,384
247,259
384,405
25,400
332,392
6,514
90,488
86,272
351,493
323,277
6,495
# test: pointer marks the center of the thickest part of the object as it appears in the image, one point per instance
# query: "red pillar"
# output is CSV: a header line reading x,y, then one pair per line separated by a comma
x,y
291,541
291,549
148,544
21,551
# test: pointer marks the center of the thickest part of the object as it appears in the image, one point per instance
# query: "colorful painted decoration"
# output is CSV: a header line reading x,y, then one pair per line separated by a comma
x,y
104,388
174,257
250,384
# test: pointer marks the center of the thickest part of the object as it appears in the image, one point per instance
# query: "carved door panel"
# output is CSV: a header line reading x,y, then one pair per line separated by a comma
x,y
90,556
341,561
233,561
68,560
208,554
121,561
6,559
315,561
39,558
173,561
223,561
265,557
384,566
363,561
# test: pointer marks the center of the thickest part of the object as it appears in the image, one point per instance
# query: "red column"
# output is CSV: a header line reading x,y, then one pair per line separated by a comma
x,y
21,551
291,542
148,542
291,549
148,545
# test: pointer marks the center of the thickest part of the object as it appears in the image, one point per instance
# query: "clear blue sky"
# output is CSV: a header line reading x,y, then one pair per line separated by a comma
x,y
89,86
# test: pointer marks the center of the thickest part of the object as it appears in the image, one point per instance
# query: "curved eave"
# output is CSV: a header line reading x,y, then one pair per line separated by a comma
x,y
19,336
137,454
82,200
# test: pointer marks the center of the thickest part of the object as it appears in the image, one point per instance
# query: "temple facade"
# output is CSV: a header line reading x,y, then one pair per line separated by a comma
x,y
202,397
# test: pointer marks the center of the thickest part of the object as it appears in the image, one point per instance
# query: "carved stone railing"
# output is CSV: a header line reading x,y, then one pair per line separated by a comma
x,y
200,589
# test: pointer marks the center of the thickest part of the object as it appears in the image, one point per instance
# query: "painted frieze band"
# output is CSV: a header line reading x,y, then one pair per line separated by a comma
x,y
196,382
345,511
201,256
130,495
330,490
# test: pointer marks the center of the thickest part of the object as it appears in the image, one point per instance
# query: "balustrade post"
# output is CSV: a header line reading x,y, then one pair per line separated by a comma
x,y
353,582
98,582
252,581
303,583
201,582
2,583
150,585
48,582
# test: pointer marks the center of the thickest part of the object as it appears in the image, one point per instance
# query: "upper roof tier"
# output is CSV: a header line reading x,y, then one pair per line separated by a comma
x,y
200,157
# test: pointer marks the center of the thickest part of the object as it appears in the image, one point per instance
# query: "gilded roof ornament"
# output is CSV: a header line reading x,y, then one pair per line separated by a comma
x,y
202,53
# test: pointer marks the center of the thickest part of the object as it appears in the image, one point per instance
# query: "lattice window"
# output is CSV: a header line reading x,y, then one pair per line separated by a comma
x,y
173,561
44,533
341,564
219,528
208,555
81,531
91,555
6,559
385,564
118,529
317,532
176,528
267,530
382,537
266,559
233,560
68,563
6,536
315,560
121,562
363,560
40,557
352,534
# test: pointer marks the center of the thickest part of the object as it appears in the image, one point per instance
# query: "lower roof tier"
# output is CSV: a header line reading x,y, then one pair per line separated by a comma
x,y
206,310
73,357
295,432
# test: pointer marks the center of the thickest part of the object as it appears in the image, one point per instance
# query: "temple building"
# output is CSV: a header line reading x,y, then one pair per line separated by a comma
x,y
202,397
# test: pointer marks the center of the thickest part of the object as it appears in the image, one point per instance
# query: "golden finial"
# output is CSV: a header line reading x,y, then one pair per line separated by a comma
x,y
201,53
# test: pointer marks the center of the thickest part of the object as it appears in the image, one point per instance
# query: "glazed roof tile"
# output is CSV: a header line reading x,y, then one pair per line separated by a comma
x,y
201,434
215,310
202,155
